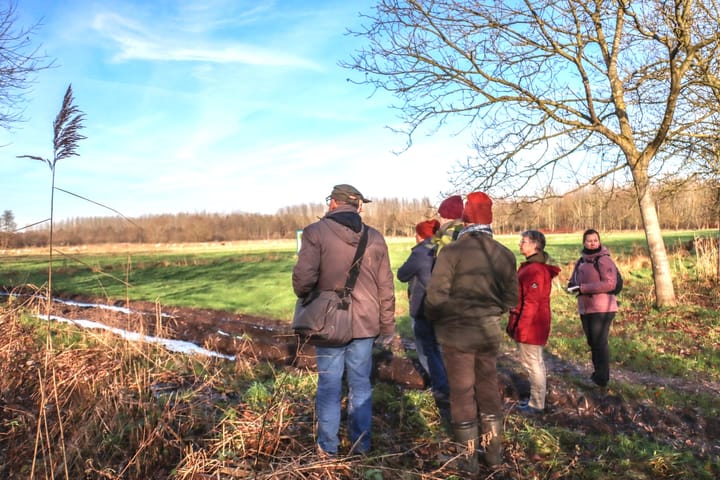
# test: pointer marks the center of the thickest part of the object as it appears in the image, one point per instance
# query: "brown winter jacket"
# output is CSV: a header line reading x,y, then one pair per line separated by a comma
x,y
473,283
327,249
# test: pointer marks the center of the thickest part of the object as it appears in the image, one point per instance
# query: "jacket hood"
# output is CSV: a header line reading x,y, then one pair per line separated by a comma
x,y
346,223
347,216
541,258
590,257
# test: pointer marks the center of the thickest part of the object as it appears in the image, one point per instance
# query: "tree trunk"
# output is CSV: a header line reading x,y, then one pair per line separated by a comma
x,y
664,290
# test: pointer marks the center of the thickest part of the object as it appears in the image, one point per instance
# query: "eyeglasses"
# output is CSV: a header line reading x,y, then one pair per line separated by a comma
x,y
327,200
526,241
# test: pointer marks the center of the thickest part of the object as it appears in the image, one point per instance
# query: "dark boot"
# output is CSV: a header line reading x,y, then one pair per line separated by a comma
x,y
492,439
466,434
442,402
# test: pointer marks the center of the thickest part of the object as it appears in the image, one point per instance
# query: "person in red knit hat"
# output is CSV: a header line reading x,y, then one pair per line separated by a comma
x,y
450,213
474,283
416,272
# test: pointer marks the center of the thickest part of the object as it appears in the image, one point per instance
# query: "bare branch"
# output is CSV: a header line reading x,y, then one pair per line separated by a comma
x,y
19,62
581,91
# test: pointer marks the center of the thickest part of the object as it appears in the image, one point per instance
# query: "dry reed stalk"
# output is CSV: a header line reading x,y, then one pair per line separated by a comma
x,y
706,258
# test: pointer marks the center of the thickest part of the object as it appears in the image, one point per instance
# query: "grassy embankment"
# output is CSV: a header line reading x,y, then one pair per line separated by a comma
x,y
234,420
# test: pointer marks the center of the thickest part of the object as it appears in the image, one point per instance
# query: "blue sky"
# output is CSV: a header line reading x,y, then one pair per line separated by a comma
x,y
212,106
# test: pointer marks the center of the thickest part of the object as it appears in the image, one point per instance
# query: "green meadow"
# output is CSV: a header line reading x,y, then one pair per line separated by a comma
x,y
255,278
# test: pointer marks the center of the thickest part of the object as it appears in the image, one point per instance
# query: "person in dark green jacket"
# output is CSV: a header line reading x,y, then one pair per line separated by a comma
x,y
473,284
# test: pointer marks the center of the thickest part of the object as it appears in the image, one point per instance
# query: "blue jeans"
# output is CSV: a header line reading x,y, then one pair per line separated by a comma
x,y
355,360
430,356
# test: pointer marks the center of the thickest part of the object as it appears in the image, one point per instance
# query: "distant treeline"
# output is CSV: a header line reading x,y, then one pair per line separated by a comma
x,y
687,206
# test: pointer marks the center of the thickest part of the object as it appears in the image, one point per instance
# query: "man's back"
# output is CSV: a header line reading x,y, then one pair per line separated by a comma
x,y
328,247
473,275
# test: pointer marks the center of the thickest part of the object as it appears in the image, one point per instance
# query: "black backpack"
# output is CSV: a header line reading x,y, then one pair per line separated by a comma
x,y
619,282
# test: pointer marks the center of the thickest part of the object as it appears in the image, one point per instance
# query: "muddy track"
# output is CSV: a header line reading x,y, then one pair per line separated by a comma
x,y
571,403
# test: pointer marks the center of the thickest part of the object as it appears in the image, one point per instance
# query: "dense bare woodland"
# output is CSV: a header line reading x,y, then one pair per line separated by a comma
x,y
689,206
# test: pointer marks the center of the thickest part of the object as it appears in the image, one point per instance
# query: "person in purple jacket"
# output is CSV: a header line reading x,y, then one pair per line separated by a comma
x,y
529,323
593,280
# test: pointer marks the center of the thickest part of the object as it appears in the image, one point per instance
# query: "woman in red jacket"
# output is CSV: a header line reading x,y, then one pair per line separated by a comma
x,y
529,323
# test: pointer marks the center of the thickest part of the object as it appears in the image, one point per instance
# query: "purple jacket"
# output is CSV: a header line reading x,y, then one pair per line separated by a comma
x,y
327,249
595,283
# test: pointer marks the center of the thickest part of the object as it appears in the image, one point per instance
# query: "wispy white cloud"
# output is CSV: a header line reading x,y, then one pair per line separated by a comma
x,y
136,41
212,105
211,15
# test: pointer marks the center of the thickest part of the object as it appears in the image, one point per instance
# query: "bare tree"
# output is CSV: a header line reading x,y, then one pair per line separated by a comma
x,y
19,60
577,92
7,221
7,228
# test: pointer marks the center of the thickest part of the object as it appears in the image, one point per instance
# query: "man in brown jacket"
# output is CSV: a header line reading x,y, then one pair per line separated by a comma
x,y
326,253
473,283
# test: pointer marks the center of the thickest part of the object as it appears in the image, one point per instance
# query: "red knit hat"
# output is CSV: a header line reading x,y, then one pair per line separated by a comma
x,y
427,228
478,209
451,207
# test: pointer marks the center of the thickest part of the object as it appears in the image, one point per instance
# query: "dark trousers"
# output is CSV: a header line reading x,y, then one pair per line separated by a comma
x,y
473,383
597,330
430,356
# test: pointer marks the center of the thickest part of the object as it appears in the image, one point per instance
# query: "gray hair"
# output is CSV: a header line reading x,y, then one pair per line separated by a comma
x,y
536,236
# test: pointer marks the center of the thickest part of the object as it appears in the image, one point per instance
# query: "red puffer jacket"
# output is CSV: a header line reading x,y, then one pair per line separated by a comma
x,y
530,319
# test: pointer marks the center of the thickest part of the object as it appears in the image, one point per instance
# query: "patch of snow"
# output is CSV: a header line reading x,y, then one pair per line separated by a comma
x,y
178,346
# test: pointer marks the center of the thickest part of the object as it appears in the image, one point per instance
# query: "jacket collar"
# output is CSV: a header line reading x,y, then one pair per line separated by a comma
x,y
476,228
346,215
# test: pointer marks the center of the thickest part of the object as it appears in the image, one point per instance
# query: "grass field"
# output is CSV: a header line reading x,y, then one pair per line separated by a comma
x,y
254,277
116,427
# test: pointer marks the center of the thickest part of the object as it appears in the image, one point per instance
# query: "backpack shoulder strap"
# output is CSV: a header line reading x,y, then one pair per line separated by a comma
x,y
596,261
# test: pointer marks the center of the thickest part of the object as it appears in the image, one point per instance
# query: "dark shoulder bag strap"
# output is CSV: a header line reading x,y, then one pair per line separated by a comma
x,y
355,268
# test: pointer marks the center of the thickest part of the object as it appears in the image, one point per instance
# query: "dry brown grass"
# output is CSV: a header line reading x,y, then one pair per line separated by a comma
x,y
707,262
108,409
75,408
77,404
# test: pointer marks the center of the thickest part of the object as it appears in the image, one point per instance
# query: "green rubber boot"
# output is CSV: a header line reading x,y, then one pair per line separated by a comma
x,y
492,439
466,434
